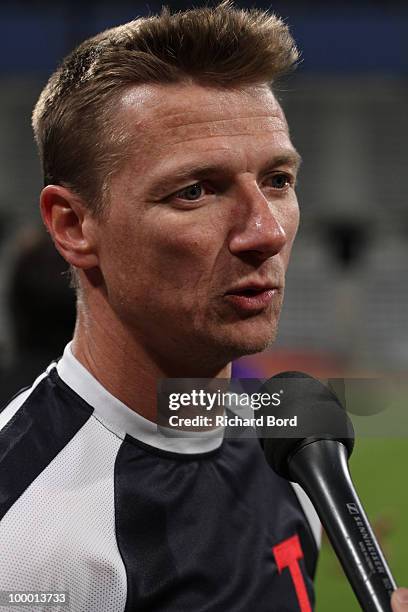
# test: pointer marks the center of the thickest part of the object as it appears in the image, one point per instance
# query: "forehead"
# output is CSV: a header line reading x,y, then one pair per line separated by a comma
x,y
176,118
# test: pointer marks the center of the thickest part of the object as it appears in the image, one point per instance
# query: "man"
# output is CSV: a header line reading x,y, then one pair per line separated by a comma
x,y
170,190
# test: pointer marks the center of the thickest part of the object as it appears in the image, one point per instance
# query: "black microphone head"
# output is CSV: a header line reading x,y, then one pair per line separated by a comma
x,y
320,416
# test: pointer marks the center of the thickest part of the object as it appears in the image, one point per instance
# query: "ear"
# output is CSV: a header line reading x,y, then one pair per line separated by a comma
x,y
71,226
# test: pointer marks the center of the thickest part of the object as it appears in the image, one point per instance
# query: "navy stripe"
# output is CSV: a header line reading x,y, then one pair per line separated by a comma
x,y
45,423
141,527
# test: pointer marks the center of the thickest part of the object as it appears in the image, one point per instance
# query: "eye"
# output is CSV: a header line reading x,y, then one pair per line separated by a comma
x,y
192,196
191,193
280,180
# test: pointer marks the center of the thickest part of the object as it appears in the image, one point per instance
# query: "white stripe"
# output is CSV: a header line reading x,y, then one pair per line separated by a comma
x,y
310,513
121,419
60,535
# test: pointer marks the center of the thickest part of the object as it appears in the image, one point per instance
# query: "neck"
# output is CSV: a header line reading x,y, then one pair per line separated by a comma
x,y
130,370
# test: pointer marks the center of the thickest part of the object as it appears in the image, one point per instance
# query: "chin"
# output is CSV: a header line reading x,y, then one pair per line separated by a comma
x,y
248,343
250,348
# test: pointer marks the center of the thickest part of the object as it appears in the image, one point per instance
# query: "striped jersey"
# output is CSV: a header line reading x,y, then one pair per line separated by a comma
x,y
95,502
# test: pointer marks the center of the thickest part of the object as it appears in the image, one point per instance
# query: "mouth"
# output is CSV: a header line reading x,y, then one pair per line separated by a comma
x,y
252,299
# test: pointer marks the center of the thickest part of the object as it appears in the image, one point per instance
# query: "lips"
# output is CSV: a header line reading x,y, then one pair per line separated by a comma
x,y
249,291
251,297
252,287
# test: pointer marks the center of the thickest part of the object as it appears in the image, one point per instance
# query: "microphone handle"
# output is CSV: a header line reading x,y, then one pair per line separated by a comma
x,y
321,468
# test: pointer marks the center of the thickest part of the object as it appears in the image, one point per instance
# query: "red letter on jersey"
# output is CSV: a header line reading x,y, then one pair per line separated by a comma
x,y
287,554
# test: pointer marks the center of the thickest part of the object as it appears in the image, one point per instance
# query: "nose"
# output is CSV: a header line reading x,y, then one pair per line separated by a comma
x,y
256,229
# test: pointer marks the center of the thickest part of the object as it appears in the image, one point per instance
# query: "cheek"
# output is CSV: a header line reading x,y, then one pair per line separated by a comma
x,y
291,225
181,247
163,255
294,222
185,239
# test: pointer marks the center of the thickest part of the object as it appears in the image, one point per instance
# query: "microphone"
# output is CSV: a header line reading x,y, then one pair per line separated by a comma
x,y
315,455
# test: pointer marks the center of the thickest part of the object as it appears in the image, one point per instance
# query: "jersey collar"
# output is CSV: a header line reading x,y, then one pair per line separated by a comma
x,y
122,420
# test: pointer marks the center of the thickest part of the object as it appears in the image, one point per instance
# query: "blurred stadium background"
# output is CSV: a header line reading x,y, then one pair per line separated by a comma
x,y
346,309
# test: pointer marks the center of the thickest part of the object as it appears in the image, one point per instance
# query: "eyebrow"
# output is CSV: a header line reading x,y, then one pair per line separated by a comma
x,y
197,171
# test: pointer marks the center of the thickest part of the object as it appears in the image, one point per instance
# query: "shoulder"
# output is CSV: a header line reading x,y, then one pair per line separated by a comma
x,y
57,495
10,408
34,428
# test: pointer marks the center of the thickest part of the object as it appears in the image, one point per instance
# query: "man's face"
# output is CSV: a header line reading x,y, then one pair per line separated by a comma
x,y
201,221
